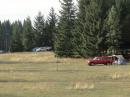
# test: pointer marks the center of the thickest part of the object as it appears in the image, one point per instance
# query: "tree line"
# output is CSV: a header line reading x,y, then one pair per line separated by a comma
x,y
18,36
92,27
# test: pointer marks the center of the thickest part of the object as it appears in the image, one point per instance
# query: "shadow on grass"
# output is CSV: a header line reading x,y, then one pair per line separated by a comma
x,y
110,65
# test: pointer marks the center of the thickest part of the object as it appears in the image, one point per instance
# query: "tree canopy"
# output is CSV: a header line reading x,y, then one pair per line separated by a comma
x,y
90,28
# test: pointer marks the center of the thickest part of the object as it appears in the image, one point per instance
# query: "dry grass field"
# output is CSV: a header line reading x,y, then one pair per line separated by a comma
x,y
43,75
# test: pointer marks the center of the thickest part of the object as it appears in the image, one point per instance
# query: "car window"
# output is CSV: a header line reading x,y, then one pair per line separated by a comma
x,y
96,58
107,58
102,58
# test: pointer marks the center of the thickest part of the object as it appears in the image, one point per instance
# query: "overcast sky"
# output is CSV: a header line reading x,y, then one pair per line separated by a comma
x,y
20,9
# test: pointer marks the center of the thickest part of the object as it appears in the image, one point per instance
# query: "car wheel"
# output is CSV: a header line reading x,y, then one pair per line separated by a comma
x,y
91,64
106,64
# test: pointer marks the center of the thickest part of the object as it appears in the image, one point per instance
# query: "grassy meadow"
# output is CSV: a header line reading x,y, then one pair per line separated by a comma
x,y
43,75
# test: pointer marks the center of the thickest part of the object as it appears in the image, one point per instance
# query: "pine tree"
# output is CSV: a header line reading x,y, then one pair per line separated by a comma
x,y
90,27
90,33
64,36
39,29
28,35
52,29
7,32
80,30
124,8
46,35
16,43
1,37
113,28
94,27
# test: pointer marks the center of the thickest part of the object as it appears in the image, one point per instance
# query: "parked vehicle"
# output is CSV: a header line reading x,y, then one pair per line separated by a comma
x,y
41,49
2,51
101,60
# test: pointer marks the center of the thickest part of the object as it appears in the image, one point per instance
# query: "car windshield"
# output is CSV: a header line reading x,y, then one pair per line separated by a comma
x,y
96,58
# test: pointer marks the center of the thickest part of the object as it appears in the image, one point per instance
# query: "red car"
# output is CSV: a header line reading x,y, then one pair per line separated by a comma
x,y
101,60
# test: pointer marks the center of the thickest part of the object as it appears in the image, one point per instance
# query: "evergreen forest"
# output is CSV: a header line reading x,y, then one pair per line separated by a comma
x,y
86,28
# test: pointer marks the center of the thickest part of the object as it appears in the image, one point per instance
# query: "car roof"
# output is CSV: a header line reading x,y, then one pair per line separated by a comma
x,y
103,56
